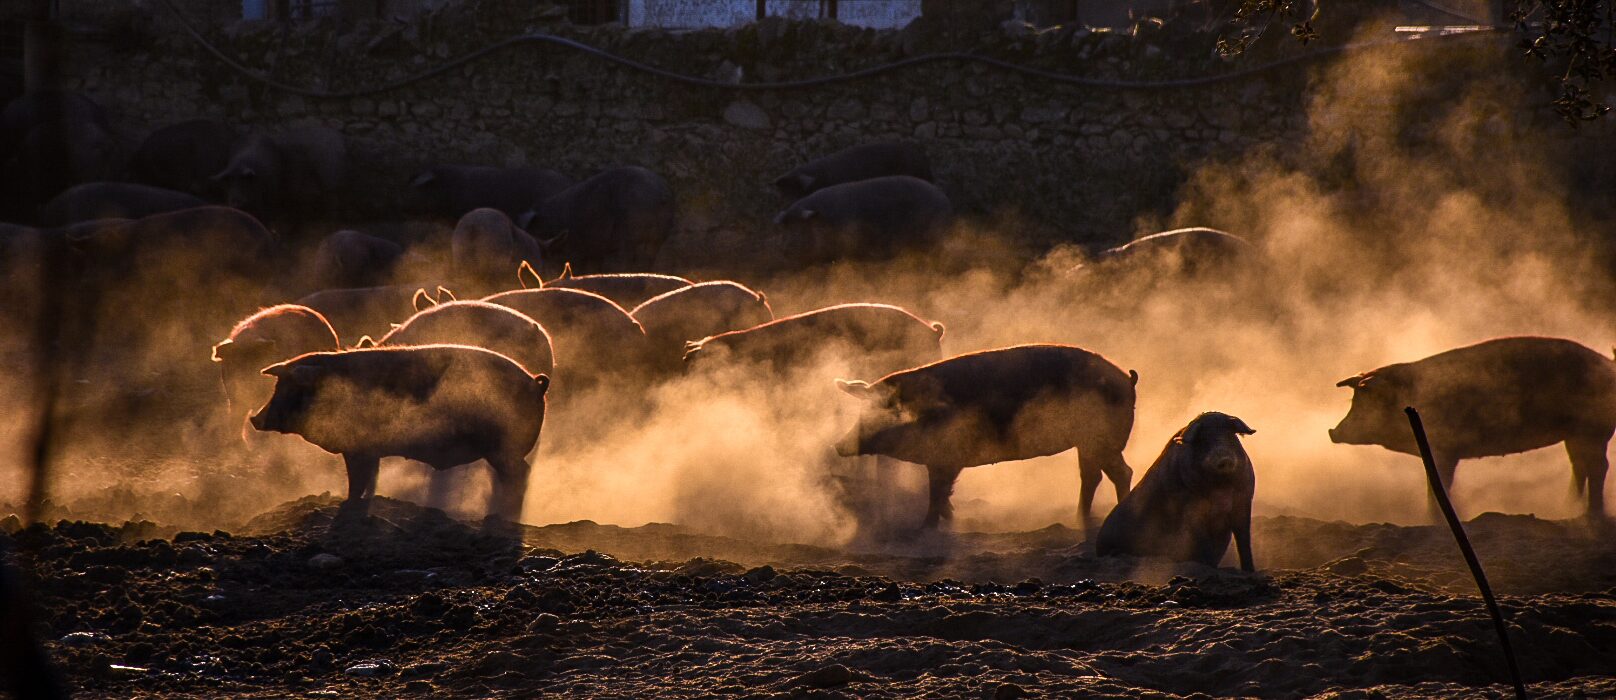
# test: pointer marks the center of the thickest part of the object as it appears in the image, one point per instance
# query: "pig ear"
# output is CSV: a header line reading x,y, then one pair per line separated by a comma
x,y
1241,428
445,293
222,348
422,300
425,177
525,272
861,390
365,341
1355,381
566,271
277,370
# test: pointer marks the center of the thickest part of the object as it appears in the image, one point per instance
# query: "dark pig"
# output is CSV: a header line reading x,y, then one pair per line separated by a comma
x,y
997,406
349,259
861,162
877,339
487,251
691,313
1191,500
449,191
628,289
616,220
288,177
593,336
1494,398
479,324
364,311
445,405
185,156
113,200
273,335
867,219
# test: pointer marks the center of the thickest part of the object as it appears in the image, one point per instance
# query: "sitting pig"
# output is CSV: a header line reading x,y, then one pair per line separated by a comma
x,y
1196,495
445,405
1493,398
997,406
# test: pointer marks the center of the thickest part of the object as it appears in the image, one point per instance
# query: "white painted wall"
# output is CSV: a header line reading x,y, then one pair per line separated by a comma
x,y
683,14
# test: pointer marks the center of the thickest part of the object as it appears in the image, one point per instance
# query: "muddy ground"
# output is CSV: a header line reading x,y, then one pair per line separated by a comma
x,y
409,602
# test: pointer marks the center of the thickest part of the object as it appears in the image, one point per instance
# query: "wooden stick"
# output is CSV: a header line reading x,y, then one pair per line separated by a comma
x,y
1442,502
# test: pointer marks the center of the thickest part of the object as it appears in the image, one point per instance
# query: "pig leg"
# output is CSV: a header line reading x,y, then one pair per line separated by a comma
x,y
361,481
510,487
1089,482
1242,537
1589,464
941,480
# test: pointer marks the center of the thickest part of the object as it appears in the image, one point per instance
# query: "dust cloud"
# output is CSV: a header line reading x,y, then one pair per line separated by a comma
x,y
1368,250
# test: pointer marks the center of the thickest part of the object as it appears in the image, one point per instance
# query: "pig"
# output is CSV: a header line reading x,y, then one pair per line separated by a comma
x,y
113,200
1191,500
877,338
1494,398
628,289
615,221
999,405
691,313
288,177
348,259
1186,251
185,156
487,251
449,191
874,218
271,336
444,405
478,324
363,311
863,162
593,336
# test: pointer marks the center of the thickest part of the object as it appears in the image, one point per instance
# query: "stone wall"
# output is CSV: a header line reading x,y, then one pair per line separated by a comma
x,y
1065,162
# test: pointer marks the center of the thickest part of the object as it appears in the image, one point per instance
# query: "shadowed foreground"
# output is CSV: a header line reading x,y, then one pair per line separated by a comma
x,y
410,602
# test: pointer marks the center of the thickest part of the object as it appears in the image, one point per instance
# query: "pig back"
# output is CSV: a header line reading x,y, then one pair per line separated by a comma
x,y
488,326
1509,395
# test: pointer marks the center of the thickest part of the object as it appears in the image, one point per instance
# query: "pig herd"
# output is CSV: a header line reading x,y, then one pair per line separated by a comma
x,y
461,363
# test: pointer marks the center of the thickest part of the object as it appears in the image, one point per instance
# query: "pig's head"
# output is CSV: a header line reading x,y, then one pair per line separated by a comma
x,y
1376,416
249,181
1210,445
240,361
794,185
879,424
298,382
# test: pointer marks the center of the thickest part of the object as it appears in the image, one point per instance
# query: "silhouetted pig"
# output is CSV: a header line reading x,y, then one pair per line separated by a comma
x,y
273,335
629,289
288,177
364,311
449,191
1192,499
445,405
691,313
877,339
348,259
487,251
1496,397
113,200
997,406
479,324
870,218
185,156
592,335
862,162
616,220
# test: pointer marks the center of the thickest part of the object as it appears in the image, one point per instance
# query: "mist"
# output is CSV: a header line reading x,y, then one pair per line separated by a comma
x,y
1367,251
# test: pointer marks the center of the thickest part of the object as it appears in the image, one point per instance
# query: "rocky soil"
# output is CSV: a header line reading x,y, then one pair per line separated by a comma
x,y
411,603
